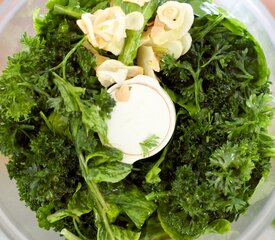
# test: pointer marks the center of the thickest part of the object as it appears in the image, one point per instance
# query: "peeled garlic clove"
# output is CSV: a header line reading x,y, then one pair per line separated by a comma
x,y
107,78
87,21
122,94
113,71
161,36
179,47
134,21
147,59
176,15
188,18
111,65
134,71
115,47
146,39
175,48
171,14
158,35
80,23
186,43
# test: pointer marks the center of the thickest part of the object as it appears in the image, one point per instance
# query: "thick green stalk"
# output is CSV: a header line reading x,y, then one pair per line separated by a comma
x,y
132,43
69,11
101,205
78,231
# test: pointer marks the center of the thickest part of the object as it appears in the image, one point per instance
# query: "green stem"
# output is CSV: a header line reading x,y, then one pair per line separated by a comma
x,y
69,54
101,205
153,174
131,46
43,116
69,11
201,34
162,157
98,194
78,230
102,212
26,127
197,87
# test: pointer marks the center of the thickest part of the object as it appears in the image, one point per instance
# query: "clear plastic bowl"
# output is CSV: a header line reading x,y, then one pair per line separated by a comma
x,y
19,223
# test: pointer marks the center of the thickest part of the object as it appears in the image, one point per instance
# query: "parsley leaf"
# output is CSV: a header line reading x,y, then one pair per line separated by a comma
x,y
148,144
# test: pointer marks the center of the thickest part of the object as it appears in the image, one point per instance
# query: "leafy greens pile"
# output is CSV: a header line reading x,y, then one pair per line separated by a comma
x,y
53,112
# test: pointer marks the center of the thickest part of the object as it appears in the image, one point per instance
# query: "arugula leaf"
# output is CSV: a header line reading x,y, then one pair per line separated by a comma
x,y
148,144
153,230
178,99
104,155
109,172
119,234
56,123
132,201
80,203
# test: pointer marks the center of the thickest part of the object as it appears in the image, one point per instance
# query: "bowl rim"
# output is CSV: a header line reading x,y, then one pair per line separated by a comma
x,y
263,218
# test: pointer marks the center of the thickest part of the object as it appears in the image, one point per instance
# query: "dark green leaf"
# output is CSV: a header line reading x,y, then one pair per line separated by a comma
x,y
119,234
81,203
133,202
109,172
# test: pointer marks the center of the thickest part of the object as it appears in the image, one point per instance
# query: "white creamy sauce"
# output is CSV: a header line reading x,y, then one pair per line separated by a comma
x,y
146,113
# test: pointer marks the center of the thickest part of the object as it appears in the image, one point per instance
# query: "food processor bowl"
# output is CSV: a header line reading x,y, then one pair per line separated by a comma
x,y
19,223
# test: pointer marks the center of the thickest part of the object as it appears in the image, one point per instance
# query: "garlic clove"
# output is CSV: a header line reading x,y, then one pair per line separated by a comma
x,y
134,21
134,71
146,39
160,36
176,15
186,43
87,19
147,59
113,71
175,48
171,14
107,78
80,23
